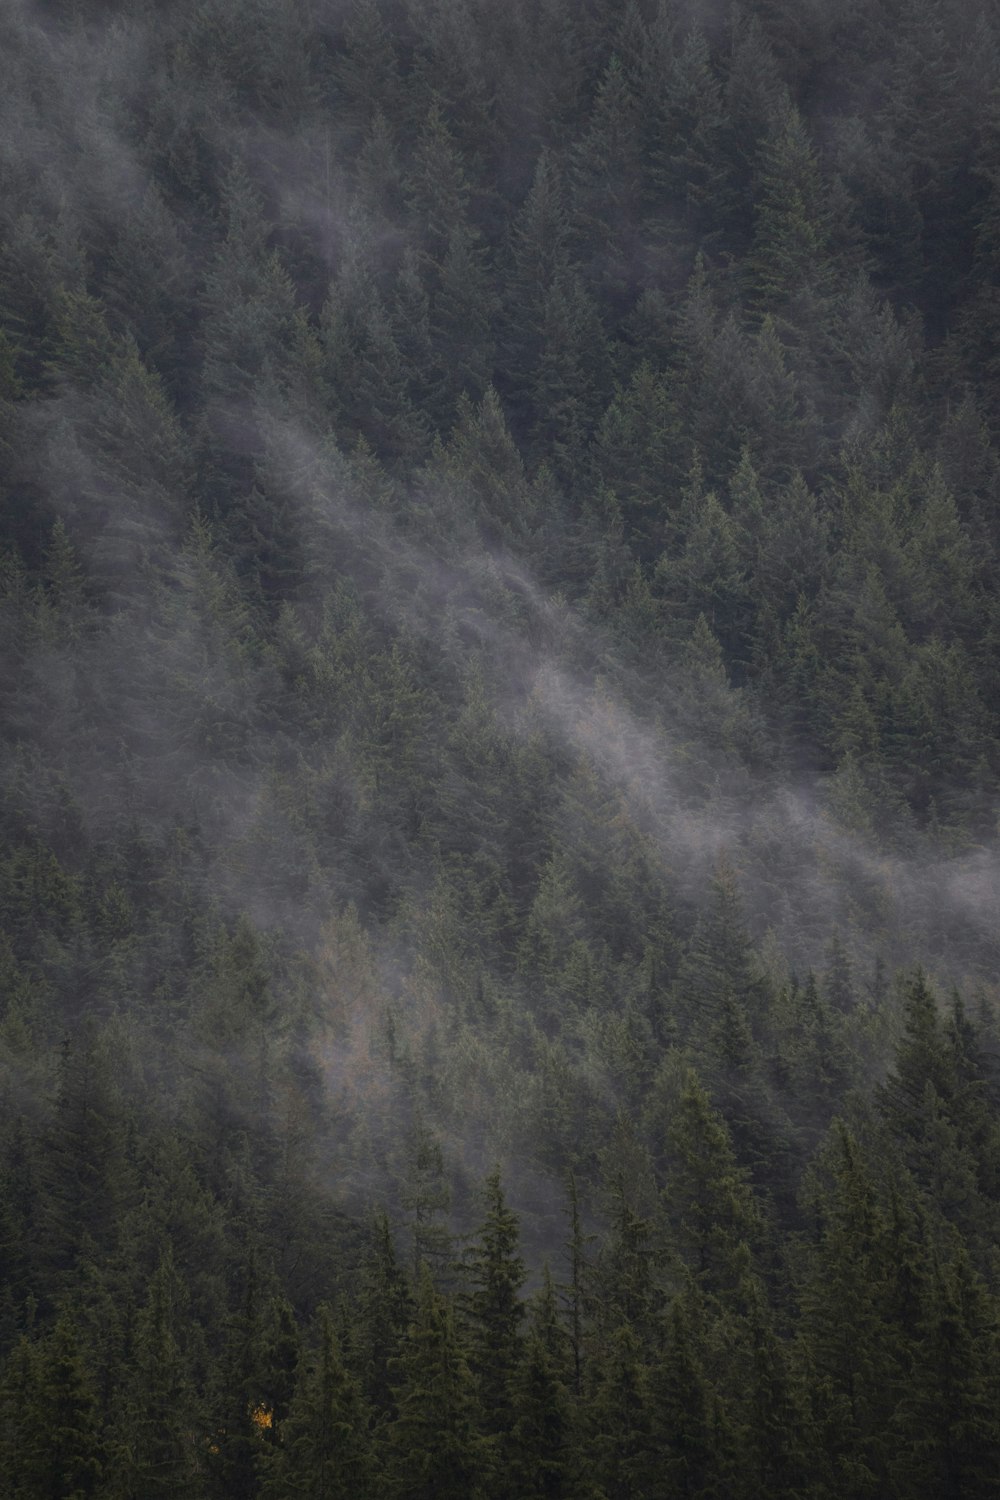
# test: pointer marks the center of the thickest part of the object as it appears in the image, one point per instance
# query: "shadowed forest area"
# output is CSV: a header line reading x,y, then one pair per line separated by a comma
x,y
499,750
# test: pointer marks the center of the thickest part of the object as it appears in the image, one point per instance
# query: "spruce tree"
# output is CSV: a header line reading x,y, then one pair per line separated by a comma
x,y
710,1209
156,1453
61,1445
693,1438
494,1309
435,1448
543,1463
324,1450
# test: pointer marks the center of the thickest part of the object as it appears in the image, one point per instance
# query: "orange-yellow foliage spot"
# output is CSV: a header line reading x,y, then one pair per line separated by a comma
x,y
262,1416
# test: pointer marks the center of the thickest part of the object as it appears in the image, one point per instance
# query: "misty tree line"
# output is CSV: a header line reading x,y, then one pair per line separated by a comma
x,y
499,597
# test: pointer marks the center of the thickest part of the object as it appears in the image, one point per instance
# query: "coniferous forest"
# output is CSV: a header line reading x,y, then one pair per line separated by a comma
x,y
500,750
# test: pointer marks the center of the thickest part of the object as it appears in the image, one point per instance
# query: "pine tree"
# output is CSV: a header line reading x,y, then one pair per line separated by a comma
x,y
575,1295
937,1104
367,72
437,185
756,100
410,315
718,985
149,287
570,378
921,1059
686,185
637,454
710,1208
838,979
483,471
626,1277
60,1445
84,1158
693,1439
538,252
324,1448
242,1398
18,1416
853,1360
948,1433
156,1453
373,384
618,1417
494,1310
543,1462
461,322
789,268
249,300
435,1449
606,183
705,576
816,1055
379,180
774,1450
426,1196
384,1312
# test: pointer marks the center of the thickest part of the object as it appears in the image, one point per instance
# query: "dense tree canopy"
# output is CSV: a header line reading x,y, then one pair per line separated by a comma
x,y
499,750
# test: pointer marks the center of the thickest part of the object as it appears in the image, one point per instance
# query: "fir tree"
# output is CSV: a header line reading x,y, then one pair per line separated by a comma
x,y
435,1447
494,1309
324,1450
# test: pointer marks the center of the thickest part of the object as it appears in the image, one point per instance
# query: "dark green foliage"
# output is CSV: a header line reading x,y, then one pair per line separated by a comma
x,y
493,1306
854,1358
695,1444
324,1447
156,1452
948,1415
469,472
384,1314
707,1199
544,1461
52,1439
435,1445
619,1443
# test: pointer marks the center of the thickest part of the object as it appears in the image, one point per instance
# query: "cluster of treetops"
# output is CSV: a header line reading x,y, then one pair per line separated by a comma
x,y
694,1348
365,368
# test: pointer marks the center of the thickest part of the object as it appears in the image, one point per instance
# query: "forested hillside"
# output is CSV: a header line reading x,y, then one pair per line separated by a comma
x,y
500,750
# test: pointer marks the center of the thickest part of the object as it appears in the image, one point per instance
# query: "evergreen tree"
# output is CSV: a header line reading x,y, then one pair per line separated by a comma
x,y
250,300
384,1314
461,322
539,246
606,182
59,1451
242,1402
709,1205
435,1447
495,1313
543,1460
637,456
367,71
570,378
790,266
437,185
946,1421
426,1196
618,1418
324,1450
84,1158
719,986
854,1361
694,1443
686,170
156,1454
